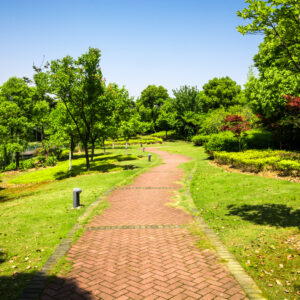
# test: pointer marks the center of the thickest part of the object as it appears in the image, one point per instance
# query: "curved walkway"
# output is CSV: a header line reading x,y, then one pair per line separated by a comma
x,y
139,248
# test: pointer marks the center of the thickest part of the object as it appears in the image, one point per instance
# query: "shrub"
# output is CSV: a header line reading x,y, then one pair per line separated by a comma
x,y
51,161
200,140
257,160
162,134
223,141
41,160
11,166
259,139
27,164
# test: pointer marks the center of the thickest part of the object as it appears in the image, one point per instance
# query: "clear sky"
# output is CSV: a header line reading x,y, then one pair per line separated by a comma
x,y
162,42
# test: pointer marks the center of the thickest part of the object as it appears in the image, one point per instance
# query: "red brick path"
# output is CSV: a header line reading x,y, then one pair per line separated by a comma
x,y
144,263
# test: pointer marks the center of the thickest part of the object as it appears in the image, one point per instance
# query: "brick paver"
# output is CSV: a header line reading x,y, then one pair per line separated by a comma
x,y
137,261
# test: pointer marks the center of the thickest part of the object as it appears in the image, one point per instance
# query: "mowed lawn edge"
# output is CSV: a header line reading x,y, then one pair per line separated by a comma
x,y
34,223
257,218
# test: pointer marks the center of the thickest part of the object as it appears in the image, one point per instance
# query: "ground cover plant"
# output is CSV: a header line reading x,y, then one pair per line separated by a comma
x,y
36,214
286,162
257,218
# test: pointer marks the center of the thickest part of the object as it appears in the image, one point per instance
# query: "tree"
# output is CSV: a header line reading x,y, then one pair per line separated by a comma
x,y
219,92
118,107
279,21
130,127
187,106
167,117
16,109
44,102
237,125
152,98
79,85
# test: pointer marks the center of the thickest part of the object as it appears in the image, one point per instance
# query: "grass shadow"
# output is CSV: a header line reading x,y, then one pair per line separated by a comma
x,y
2,255
81,169
278,215
30,286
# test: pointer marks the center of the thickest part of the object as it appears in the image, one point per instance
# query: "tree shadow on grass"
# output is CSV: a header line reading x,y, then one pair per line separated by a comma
x,y
81,170
278,215
35,284
2,255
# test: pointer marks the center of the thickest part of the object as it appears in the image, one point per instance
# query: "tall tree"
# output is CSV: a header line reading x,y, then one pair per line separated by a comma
x,y
279,21
152,98
188,109
79,85
219,92
16,109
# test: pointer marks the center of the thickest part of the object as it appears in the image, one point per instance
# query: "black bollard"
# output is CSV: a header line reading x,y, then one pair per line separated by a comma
x,y
76,197
149,157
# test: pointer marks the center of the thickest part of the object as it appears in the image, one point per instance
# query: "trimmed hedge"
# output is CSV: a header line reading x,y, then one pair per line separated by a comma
x,y
288,163
144,140
162,134
226,141
223,141
200,140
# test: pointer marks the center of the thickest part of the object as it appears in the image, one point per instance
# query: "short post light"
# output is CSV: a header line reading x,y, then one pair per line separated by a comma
x,y
76,197
149,157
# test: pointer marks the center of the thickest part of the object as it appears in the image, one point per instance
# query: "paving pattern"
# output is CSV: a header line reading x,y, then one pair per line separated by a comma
x,y
139,248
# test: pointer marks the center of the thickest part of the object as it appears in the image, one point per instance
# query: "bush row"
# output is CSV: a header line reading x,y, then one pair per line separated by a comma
x,y
144,140
39,161
226,141
288,163
171,135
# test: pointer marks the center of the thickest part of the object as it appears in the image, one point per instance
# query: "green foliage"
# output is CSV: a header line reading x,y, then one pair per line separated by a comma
x,y
223,141
167,118
79,85
279,21
16,111
259,160
187,106
142,140
213,121
28,164
162,134
200,140
259,139
51,160
149,104
219,92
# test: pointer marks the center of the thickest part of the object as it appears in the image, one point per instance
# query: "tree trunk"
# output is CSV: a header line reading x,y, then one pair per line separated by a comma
x,y
104,145
93,150
72,146
42,133
70,161
126,147
166,134
113,146
17,160
86,150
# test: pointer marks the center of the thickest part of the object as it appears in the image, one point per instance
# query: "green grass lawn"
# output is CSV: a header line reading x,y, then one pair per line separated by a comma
x,y
36,209
257,218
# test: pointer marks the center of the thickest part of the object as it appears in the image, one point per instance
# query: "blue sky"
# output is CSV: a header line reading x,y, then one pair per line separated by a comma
x,y
162,42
